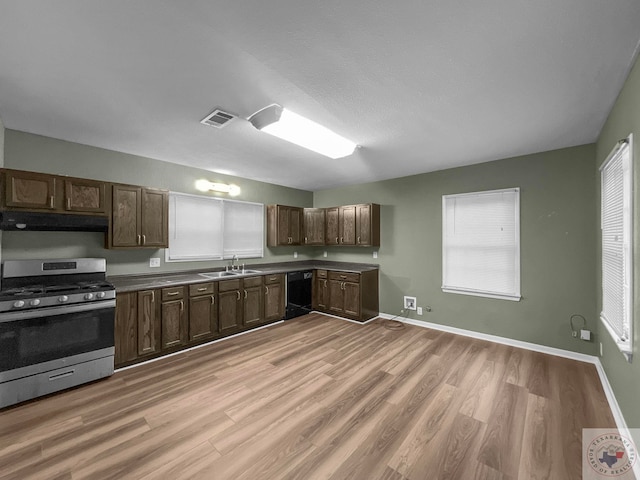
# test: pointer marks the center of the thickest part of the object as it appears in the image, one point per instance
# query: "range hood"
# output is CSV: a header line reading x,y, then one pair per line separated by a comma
x,y
52,222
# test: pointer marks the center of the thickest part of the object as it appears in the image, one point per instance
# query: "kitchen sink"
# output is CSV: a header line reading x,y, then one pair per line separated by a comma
x,y
232,273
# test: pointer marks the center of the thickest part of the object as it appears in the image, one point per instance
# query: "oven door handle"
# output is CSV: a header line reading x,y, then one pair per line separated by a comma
x,y
58,310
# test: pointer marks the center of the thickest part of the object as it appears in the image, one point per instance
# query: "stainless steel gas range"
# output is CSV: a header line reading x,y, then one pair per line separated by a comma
x,y
56,326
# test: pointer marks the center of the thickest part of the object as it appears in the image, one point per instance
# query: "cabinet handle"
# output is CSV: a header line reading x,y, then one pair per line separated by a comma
x,y
273,278
144,239
202,289
138,241
305,240
266,290
172,294
341,239
344,277
68,203
337,240
238,292
153,296
358,239
181,306
325,284
213,300
245,294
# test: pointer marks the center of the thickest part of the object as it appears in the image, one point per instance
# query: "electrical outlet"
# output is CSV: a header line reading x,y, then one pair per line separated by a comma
x,y
419,310
375,254
585,335
427,309
409,303
154,262
324,254
295,254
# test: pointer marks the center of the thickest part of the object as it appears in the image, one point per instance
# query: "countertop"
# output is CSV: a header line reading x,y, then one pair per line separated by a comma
x,y
129,283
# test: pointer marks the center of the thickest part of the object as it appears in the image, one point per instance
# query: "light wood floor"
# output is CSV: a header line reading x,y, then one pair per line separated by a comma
x,y
317,397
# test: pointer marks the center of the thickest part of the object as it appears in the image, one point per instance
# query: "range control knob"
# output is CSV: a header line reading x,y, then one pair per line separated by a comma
x,y
35,302
100,294
63,299
88,296
18,304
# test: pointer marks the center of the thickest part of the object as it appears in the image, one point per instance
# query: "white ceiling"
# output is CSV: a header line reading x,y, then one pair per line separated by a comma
x,y
422,85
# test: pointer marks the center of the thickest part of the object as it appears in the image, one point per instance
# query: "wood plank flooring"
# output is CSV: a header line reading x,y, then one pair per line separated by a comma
x,y
317,398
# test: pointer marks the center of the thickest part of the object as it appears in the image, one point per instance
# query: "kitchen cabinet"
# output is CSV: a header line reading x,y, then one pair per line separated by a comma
x,y
353,295
253,305
229,305
137,326
320,299
53,193
203,311
314,226
140,217
174,317
332,219
284,225
274,303
359,225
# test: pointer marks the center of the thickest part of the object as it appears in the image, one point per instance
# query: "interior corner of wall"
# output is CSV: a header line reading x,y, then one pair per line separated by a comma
x,y
1,143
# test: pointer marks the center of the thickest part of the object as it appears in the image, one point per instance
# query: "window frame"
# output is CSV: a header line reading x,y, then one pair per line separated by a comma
x,y
624,342
457,289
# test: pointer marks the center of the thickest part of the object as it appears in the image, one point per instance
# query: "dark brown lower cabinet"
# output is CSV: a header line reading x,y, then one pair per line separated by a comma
x,y
137,326
148,323
320,291
348,294
203,311
253,305
174,317
229,305
274,304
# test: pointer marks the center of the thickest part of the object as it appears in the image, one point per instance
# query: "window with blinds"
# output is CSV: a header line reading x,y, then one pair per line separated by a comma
x,y
616,226
481,244
204,228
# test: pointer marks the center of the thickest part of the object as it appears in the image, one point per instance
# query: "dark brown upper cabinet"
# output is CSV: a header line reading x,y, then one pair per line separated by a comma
x,y
53,193
284,225
140,218
314,226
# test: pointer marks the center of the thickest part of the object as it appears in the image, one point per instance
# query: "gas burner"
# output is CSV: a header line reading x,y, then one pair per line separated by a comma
x,y
23,292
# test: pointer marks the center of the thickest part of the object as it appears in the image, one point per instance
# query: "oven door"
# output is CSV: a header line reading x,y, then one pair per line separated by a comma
x,y
48,336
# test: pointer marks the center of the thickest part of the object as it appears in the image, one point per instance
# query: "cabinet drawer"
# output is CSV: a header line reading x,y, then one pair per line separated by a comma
x,y
201,289
321,274
175,293
345,277
227,285
271,279
252,282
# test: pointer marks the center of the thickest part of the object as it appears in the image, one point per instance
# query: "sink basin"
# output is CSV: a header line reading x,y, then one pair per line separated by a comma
x,y
246,272
218,274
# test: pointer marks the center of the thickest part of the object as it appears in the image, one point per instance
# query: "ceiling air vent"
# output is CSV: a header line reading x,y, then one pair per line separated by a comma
x,y
218,118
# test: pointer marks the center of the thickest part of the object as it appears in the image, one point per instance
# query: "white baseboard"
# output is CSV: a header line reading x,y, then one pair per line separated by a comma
x,y
606,386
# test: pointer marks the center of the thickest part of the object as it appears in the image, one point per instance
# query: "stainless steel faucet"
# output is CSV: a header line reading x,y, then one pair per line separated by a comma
x,y
233,262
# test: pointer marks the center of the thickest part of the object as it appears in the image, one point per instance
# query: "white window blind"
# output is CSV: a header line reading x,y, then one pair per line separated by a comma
x,y
481,244
243,229
195,228
617,264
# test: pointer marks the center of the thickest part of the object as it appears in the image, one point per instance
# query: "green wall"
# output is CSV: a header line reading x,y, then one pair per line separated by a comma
x,y
624,377
558,245
25,151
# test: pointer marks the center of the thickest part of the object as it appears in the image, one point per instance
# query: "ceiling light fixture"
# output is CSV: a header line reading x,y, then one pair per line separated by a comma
x,y
294,128
206,186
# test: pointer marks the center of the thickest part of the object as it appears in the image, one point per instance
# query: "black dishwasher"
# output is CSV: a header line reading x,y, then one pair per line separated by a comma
x,y
298,293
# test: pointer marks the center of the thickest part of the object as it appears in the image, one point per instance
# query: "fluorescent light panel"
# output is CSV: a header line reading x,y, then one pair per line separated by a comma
x,y
206,186
287,125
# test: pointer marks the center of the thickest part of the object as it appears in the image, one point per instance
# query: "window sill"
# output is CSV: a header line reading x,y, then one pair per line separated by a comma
x,y
476,293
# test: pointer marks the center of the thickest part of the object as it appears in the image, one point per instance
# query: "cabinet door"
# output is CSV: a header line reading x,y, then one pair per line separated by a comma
x,y
126,327
295,226
273,302
154,218
174,325
203,317
148,323
125,229
321,294
336,297
30,190
351,299
253,308
283,220
333,226
84,196
314,226
363,225
229,311
348,225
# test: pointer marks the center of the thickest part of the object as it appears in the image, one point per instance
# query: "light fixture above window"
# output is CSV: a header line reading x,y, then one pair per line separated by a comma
x,y
294,128
205,185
